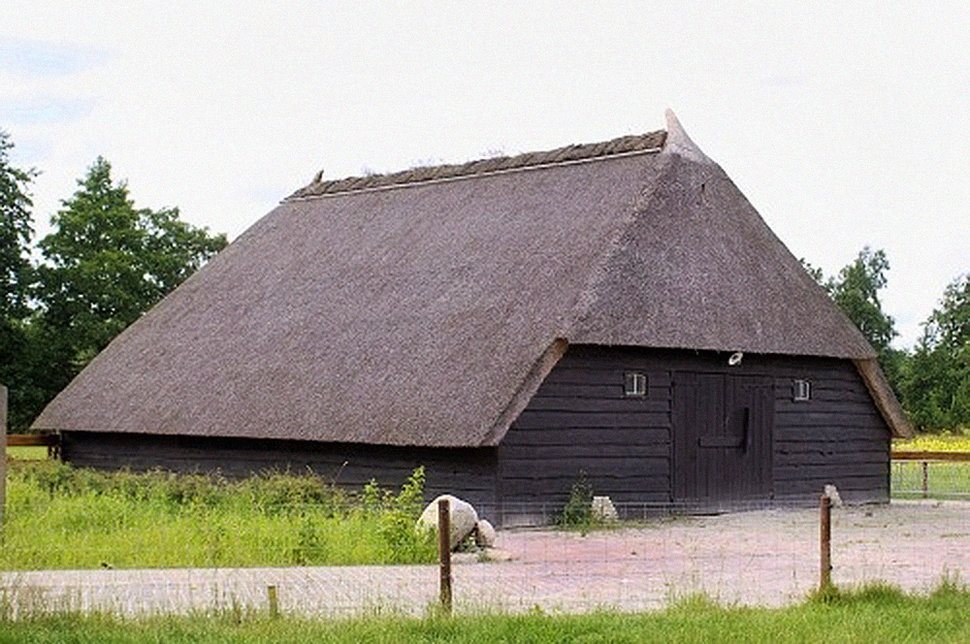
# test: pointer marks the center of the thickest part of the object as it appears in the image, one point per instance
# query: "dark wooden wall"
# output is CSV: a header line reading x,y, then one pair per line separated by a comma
x,y
580,421
837,437
470,471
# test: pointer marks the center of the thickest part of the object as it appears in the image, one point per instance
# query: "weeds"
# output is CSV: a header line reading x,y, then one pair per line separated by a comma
x,y
578,511
61,517
397,521
873,592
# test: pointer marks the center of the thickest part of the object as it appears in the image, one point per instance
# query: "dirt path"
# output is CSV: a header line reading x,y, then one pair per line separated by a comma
x,y
765,557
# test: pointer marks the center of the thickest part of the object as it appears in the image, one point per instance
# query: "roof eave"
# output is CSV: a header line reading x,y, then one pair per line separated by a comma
x,y
527,389
884,398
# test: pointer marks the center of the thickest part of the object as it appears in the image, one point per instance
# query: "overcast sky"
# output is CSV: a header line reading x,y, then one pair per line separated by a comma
x,y
845,124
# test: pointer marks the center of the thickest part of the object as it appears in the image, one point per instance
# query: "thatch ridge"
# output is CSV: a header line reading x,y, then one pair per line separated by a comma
x,y
652,141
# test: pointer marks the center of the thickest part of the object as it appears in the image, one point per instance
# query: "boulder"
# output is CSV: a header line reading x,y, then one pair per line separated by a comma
x,y
463,517
484,534
603,509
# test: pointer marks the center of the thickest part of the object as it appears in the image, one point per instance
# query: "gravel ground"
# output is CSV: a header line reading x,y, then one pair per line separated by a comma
x,y
767,557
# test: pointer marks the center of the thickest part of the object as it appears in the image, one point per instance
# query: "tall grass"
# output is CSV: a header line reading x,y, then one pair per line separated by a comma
x,y
62,517
25,453
870,614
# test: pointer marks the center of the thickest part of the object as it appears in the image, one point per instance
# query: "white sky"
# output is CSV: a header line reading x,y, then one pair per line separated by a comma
x,y
845,124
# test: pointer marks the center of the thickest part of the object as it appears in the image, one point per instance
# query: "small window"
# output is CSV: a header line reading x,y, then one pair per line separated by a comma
x,y
801,390
635,384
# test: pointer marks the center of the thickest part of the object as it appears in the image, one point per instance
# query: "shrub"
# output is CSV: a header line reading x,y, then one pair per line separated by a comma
x,y
578,512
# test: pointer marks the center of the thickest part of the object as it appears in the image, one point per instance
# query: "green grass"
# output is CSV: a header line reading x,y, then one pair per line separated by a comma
x,y
872,614
27,453
61,517
944,479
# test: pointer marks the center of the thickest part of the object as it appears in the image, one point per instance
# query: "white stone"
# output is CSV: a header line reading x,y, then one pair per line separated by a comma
x,y
484,534
496,554
833,493
463,518
603,509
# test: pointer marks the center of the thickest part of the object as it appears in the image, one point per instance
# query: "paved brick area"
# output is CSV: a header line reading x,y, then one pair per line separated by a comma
x,y
764,557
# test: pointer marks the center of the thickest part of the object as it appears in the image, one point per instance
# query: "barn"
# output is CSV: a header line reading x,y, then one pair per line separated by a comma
x,y
617,311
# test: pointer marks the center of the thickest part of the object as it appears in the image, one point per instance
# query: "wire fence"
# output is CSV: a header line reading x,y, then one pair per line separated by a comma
x,y
196,557
930,478
758,557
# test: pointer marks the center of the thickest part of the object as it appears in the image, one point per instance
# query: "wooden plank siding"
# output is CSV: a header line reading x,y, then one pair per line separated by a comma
x,y
580,421
837,437
468,470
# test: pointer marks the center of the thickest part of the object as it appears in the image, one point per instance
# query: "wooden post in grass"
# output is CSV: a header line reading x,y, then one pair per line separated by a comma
x,y
926,479
274,602
3,461
825,542
444,554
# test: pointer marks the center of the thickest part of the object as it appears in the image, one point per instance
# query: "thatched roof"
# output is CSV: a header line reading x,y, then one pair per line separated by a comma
x,y
425,307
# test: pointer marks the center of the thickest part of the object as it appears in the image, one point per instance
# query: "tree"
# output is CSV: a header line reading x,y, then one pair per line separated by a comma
x,y
15,233
856,291
16,276
936,382
108,262
949,325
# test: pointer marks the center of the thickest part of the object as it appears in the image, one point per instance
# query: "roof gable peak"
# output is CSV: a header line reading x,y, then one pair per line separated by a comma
x,y
677,141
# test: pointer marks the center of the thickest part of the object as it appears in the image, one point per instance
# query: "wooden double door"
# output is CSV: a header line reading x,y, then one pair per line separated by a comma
x,y
722,438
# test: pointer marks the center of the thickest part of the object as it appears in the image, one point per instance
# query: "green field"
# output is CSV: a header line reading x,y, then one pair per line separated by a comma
x,y
944,480
61,517
873,614
27,453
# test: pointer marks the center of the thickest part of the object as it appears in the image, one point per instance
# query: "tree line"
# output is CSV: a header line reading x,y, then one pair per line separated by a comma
x,y
63,298
107,262
931,380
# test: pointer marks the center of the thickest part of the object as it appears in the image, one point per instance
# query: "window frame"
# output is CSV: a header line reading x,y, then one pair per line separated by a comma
x,y
635,384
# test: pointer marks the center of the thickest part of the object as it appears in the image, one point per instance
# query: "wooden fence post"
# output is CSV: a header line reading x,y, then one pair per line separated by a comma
x,y
274,602
926,479
825,542
444,554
